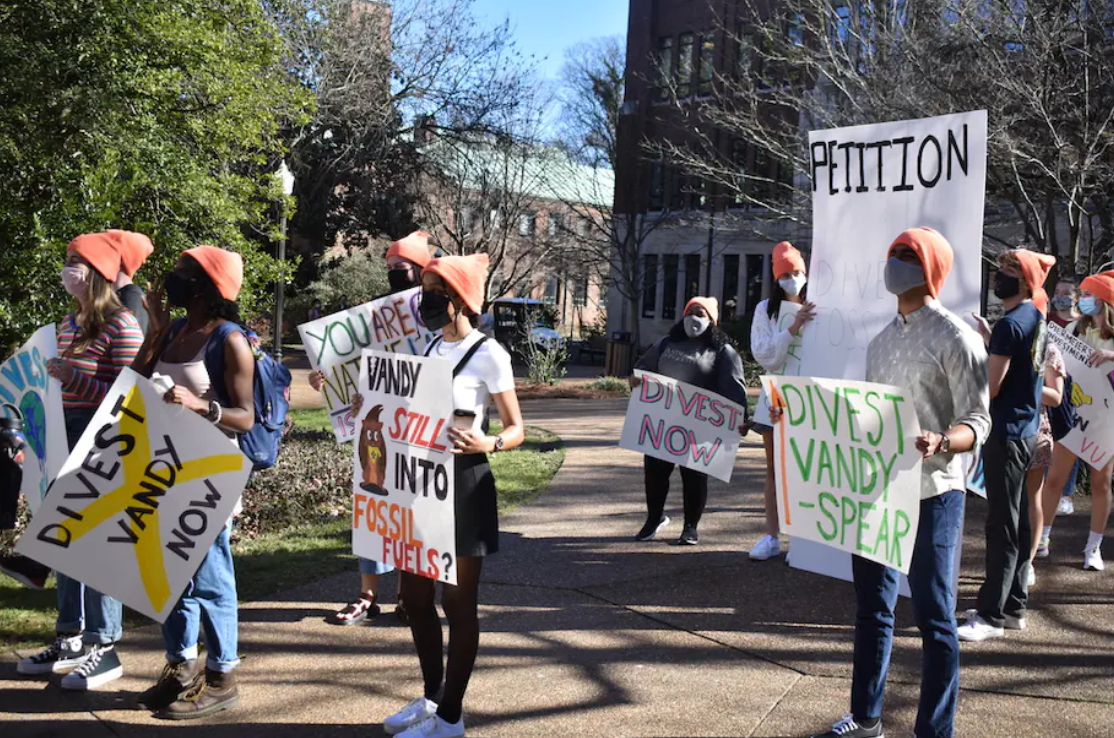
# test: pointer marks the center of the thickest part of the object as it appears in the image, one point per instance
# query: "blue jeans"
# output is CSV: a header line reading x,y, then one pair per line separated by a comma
x,y
931,574
370,566
83,609
209,604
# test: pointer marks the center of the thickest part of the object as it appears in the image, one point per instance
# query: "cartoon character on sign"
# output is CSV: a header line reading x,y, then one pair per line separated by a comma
x,y
1078,397
373,453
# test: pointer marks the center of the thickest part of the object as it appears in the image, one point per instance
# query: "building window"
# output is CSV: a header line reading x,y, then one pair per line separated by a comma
x,y
552,291
796,31
841,27
707,67
730,294
744,52
657,185
495,219
678,189
692,276
553,225
526,223
649,285
466,221
665,66
685,46
581,226
580,292
669,287
740,152
754,282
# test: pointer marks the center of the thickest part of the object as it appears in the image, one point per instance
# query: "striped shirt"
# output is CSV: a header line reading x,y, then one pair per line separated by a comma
x,y
96,368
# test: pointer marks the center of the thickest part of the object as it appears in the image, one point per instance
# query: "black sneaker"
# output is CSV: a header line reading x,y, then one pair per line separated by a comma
x,y
27,572
650,530
688,536
67,652
102,666
848,728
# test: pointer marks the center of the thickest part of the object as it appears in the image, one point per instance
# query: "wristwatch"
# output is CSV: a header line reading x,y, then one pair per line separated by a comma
x,y
499,443
945,443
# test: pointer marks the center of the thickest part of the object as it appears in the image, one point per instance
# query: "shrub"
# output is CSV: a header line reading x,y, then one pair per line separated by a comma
x,y
610,384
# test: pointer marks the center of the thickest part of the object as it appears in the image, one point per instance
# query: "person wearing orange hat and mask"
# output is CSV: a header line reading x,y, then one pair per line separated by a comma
x,y
942,364
205,282
405,258
1096,329
770,347
98,340
452,300
134,248
1017,346
697,352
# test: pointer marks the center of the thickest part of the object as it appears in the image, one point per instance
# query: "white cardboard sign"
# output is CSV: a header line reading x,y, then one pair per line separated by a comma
x,y
1092,438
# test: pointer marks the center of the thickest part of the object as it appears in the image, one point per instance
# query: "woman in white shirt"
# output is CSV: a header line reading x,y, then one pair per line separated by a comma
x,y
452,299
772,336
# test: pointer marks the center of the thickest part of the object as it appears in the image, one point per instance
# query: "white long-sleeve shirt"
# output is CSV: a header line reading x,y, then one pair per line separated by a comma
x,y
770,338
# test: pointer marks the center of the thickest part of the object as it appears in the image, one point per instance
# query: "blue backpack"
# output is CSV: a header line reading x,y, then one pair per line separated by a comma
x,y
271,393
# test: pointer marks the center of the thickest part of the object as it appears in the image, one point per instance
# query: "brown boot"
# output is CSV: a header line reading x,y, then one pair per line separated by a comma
x,y
218,692
176,679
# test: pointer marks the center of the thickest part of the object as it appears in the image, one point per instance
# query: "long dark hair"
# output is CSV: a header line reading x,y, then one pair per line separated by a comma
x,y
773,306
714,336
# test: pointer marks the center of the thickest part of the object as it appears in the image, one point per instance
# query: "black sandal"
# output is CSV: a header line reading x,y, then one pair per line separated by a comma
x,y
360,608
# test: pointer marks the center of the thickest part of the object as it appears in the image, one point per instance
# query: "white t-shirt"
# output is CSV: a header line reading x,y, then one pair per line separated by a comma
x,y
487,373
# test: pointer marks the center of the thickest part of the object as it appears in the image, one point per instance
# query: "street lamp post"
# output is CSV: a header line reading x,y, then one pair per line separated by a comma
x,y
287,178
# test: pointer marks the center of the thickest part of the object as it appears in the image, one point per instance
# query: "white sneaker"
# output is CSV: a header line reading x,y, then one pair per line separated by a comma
x,y
976,629
414,712
1092,559
1031,580
767,548
64,654
1015,623
1065,506
435,727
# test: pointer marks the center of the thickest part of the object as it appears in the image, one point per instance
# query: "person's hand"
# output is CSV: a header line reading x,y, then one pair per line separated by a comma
x,y
982,326
158,310
357,404
178,395
776,414
317,380
61,370
468,442
635,382
1099,357
804,316
928,443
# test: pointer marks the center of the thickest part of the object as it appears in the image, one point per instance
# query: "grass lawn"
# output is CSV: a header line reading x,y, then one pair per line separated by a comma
x,y
277,561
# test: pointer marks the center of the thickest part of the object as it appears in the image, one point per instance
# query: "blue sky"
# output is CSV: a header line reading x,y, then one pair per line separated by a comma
x,y
545,28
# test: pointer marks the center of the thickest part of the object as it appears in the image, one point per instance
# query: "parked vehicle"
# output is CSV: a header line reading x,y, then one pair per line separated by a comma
x,y
513,319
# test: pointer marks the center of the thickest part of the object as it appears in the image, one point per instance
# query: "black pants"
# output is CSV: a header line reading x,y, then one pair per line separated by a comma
x,y
1008,532
693,483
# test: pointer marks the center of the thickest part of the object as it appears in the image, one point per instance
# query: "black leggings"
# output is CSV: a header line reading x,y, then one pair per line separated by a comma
x,y
693,483
460,605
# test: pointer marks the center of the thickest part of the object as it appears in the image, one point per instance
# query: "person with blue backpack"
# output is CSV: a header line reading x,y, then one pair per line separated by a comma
x,y
209,359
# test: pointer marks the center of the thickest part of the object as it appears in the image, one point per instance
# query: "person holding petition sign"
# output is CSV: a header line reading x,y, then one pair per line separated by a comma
x,y
697,352
1063,314
1096,329
942,364
95,343
405,260
1017,346
206,282
452,300
771,345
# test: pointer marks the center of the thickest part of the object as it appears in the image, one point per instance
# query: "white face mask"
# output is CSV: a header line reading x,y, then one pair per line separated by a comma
x,y
76,280
793,285
695,325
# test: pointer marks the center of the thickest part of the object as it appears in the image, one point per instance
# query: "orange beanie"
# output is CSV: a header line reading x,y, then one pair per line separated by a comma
x,y
787,259
99,249
1100,285
935,253
710,304
1034,270
413,248
134,249
465,274
225,269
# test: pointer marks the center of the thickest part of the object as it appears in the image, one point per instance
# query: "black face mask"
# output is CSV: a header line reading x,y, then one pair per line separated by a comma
x,y
434,310
179,290
401,279
1006,286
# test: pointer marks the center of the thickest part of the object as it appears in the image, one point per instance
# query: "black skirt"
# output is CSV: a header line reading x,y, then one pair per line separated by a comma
x,y
477,508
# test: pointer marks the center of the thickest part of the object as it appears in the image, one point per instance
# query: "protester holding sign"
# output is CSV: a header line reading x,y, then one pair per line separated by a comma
x,y
1017,359
1096,329
942,365
95,343
405,260
775,333
452,300
697,352
1063,313
206,282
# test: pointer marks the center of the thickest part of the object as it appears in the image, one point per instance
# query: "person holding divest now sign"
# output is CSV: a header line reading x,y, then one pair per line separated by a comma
x,y
941,367
695,352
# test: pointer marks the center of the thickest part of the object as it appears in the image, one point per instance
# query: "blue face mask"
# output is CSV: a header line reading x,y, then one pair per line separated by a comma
x,y
1089,306
901,277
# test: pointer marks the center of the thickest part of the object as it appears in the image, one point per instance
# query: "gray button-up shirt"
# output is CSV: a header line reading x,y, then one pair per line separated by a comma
x,y
942,364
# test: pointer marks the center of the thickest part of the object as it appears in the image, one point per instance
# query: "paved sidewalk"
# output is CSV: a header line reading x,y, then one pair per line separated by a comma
x,y
587,633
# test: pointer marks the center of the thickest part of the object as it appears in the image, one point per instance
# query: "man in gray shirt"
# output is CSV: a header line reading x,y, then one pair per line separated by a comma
x,y
942,365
